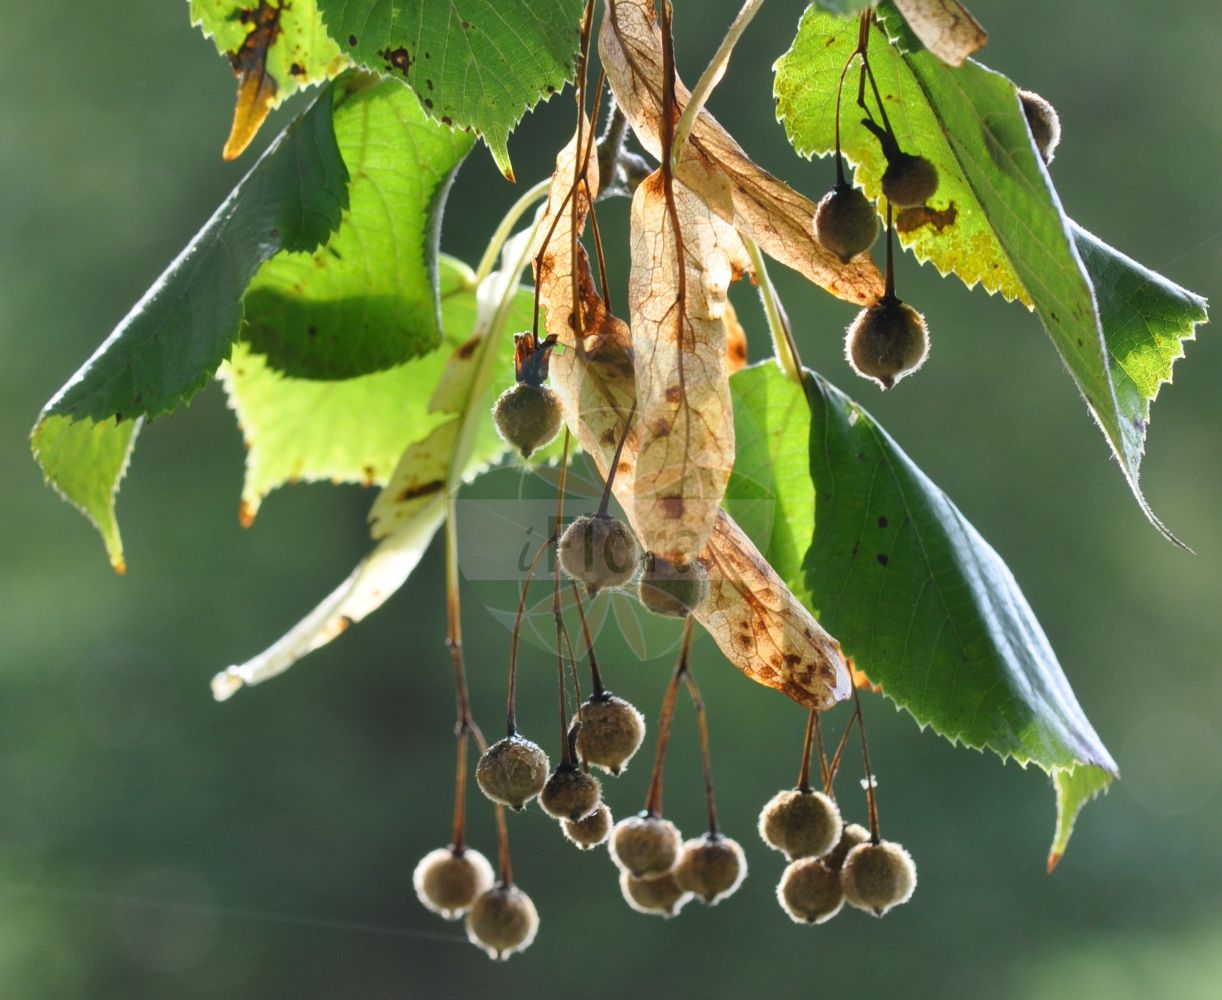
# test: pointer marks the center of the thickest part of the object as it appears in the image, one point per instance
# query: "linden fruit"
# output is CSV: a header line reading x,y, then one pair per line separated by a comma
x,y
909,180
671,589
810,891
1044,122
598,551
661,895
711,867
887,341
590,831
512,771
845,222
854,834
527,416
645,846
612,730
448,880
801,824
502,921
570,793
876,877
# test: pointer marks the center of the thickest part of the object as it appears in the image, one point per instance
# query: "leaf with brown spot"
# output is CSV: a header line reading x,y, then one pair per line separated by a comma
x,y
760,626
275,47
715,167
685,447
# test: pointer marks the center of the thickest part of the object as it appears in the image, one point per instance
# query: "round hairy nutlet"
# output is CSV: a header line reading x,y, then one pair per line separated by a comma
x,y
854,834
512,771
887,341
570,793
612,730
800,824
599,551
527,416
502,921
876,877
447,881
845,222
712,867
660,895
909,180
591,830
810,892
645,846
1044,122
671,589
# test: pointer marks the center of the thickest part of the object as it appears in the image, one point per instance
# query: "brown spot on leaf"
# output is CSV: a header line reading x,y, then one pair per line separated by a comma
x,y
467,347
422,490
672,507
397,59
883,559
297,69
352,39
882,520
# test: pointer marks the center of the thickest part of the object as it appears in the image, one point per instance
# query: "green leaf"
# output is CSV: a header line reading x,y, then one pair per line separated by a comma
x,y
171,342
770,493
84,461
996,217
925,606
368,299
920,601
477,64
413,505
959,236
1146,319
301,52
345,430
1075,788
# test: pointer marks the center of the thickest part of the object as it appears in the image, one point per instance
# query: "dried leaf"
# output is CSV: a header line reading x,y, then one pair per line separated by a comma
x,y
945,27
715,167
685,444
759,625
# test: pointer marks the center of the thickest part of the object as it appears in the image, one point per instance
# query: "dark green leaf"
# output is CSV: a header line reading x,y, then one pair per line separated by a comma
x,y
171,342
480,64
367,300
913,593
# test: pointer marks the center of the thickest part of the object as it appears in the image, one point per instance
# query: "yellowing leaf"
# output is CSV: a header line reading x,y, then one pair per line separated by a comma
x,y
276,48
715,167
685,440
760,626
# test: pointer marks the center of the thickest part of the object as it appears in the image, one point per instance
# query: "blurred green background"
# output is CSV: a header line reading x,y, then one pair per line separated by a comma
x,y
155,844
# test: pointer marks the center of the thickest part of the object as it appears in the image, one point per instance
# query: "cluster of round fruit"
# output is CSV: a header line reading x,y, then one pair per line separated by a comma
x,y
831,862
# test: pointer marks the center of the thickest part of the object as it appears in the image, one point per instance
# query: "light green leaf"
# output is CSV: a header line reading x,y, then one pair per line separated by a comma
x,y
770,493
275,47
1075,787
1146,320
476,64
366,300
413,505
959,236
996,218
348,430
83,462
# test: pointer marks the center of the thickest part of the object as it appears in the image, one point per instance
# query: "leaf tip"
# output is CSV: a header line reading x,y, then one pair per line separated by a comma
x,y
247,509
1054,859
256,93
